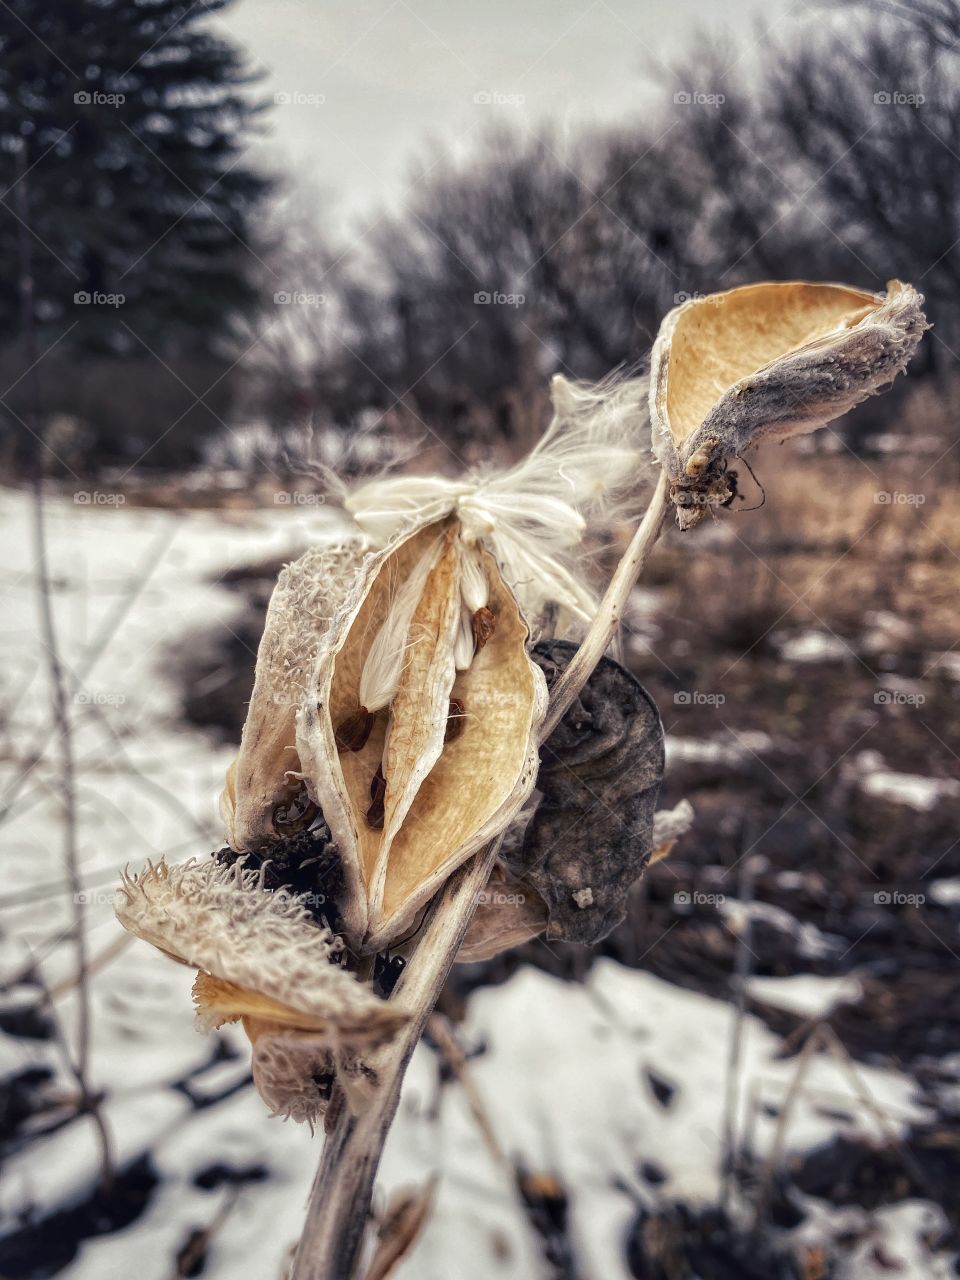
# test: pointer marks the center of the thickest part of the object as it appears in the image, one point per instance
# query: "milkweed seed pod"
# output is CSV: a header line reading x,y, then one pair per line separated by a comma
x,y
264,798
264,962
418,735
406,798
764,362
592,832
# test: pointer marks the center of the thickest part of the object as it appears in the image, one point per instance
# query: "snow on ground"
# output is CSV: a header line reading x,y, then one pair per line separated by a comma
x,y
729,748
806,994
911,789
812,646
585,1082
946,892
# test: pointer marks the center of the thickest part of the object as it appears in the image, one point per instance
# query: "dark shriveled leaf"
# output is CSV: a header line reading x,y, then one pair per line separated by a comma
x,y
600,772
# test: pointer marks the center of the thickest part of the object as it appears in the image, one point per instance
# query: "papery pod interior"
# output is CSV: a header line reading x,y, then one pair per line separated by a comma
x,y
767,361
445,793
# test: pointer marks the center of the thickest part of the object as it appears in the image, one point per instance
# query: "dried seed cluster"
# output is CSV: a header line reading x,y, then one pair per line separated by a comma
x,y
262,961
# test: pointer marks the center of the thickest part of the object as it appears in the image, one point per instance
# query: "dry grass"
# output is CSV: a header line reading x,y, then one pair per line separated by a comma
x,y
836,538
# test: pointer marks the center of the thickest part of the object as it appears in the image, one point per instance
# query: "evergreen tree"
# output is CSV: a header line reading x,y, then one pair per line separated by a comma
x,y
122,127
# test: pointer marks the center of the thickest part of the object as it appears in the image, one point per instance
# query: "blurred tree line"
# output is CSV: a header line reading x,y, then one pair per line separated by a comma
x,y
836,156
833,156
125,211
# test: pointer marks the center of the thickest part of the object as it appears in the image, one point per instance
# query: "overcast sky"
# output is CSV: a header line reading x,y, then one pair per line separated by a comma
x,y
370,83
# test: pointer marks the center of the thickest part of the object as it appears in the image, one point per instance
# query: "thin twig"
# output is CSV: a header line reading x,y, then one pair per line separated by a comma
x,y
731,1102
775,1159
94,651
80,1064
441,1031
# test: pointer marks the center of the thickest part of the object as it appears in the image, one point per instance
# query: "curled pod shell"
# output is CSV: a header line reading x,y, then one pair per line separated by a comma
x,y
443,799
592,832
509,912
764,362
263,798
264,962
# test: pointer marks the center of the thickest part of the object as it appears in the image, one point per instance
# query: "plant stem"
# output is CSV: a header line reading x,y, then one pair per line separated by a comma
x,y
609,612
343,1187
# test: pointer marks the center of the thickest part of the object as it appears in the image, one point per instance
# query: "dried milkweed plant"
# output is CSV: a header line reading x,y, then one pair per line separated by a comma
x,y
263,961
434,716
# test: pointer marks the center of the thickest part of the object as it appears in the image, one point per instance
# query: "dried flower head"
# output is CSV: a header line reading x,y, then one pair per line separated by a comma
x,y
263,961
764,362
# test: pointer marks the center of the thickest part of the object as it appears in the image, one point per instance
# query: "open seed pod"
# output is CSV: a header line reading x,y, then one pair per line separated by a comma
x,y
418,735
764,362
263,961
264,798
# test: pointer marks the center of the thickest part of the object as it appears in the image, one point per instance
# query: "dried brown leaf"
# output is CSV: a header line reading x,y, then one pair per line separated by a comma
x,y
404,1221
600,771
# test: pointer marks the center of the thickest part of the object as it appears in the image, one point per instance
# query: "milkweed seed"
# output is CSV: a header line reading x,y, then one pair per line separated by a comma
x,y
352,734
484,625
378,792
454,720
290,818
